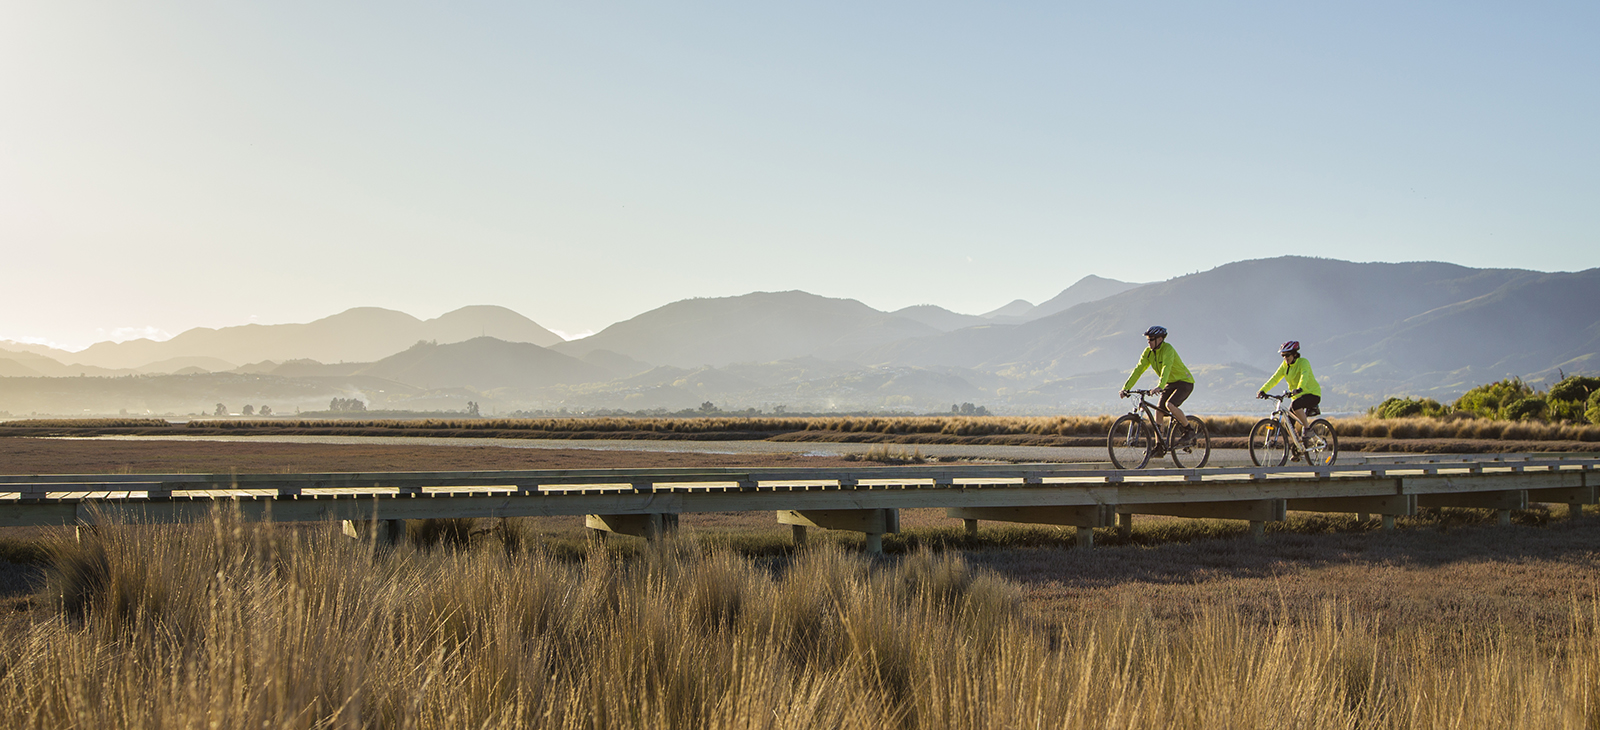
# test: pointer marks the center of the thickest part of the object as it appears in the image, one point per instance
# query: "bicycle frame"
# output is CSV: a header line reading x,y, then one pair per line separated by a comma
x,y
1147,411
1287,424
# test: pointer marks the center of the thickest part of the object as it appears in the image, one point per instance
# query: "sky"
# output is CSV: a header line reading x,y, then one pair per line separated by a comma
x,y
168,165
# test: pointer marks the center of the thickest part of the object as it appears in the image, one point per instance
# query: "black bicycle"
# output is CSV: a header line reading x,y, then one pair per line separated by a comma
x,y
1134,438
1274,439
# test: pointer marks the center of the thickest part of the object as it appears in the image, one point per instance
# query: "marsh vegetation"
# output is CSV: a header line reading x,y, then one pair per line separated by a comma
x,y
233,624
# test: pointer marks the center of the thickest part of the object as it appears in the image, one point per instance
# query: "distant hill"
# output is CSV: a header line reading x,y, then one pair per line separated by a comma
x,y
1404,323
1015,311
363,334
1090,288
938,318
1371,330
483,364
758,327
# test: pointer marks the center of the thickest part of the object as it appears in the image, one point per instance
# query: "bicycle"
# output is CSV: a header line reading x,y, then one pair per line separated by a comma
x,y
1134,438
1272,439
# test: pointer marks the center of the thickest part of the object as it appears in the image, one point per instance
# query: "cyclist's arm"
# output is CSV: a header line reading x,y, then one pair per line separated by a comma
x,y
1144,364
1283,370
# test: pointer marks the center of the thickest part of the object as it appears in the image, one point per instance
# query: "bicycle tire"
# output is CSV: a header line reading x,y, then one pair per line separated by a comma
x,y
1197,453
1129,442
1269,445
1322,443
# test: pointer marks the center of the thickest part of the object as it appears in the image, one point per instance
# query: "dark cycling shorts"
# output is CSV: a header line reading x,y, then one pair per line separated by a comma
x,y
1307,401
1176,393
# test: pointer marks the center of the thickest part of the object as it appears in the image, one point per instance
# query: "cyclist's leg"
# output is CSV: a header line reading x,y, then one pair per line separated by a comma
x,y
1173,396
1299,407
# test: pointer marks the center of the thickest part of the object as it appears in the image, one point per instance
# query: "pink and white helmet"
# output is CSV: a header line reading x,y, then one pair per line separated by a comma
x,y
1288,347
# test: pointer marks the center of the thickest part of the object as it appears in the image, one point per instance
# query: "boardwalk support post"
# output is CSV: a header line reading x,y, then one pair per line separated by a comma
x,y
1085,517
872,522
648,526
972,527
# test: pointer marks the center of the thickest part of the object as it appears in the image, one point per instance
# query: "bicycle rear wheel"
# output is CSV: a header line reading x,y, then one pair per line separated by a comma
x,y
1195,454
1129,442
1269,445
1322,444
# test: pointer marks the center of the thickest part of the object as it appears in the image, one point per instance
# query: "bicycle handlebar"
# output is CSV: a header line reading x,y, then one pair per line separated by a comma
x,y
1286,394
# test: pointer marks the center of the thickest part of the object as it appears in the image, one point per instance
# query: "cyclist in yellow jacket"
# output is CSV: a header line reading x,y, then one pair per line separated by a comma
x,y
1176,381
1296,373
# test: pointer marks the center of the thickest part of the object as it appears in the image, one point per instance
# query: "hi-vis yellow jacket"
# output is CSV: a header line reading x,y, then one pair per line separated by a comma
x,y
1169,367
1297,375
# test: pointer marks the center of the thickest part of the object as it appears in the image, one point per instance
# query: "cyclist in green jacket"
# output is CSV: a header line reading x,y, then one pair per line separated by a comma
x,y
1296,373
1176,381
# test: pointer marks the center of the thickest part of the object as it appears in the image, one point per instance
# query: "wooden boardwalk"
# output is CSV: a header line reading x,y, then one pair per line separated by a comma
x,y
864,499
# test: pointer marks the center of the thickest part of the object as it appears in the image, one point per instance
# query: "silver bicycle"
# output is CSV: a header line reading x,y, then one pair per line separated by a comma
x,y
1276,439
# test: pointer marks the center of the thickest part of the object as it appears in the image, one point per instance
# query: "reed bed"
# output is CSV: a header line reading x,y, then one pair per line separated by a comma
x,y
231,624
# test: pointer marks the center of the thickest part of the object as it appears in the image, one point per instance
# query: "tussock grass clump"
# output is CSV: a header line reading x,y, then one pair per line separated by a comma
x,y
886,455
88,423
229,624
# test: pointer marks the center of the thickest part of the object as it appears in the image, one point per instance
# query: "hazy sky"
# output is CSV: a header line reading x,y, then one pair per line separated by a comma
x,y
171,165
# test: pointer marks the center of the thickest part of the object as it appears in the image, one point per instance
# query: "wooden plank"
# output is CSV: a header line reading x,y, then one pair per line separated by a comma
x,y
1256,510
1503,500
1097,515
1391,504
1490,482
1566,495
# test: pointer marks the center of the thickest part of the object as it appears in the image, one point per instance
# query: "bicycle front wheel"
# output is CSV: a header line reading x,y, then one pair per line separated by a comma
x,y
1269,445
1196,453
1322,444
1129,442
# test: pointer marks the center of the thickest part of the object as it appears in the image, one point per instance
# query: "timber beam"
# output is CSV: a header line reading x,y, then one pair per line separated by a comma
x,y
874,523
649,526
1502,500
1084,517
1394,504
1255,510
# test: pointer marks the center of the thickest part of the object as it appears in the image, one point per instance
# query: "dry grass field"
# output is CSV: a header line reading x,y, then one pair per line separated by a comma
x,y
1448,622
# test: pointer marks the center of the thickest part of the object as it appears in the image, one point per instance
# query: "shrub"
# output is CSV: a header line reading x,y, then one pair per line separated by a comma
x,y
1575,388
1593,415
1567,411
1525,408
1487,400
1407,408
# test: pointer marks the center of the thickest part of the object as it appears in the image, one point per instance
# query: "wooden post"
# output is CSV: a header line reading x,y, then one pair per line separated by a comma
x,y
799,533
1125,525
1362,517
1388,523
1258,531
972,527
1086,537
394,532
875,543
1503,517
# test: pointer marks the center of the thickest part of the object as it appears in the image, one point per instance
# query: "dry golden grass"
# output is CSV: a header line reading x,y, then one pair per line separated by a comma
x,y
230,624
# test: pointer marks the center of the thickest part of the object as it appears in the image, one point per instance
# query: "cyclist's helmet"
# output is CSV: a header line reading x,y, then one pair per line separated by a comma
x,y
1288,347
1156,331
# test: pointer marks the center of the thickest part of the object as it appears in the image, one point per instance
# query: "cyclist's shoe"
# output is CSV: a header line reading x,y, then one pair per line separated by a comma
x,y
1294,456
1188,437
1157,452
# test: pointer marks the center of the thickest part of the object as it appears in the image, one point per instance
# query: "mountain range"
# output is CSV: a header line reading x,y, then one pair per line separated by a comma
x,y
1370,329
